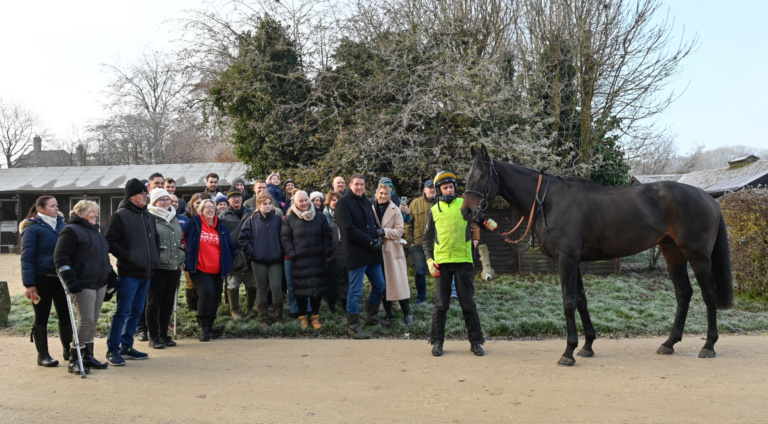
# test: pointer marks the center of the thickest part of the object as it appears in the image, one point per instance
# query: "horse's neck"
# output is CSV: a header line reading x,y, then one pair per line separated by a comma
x,y
517,185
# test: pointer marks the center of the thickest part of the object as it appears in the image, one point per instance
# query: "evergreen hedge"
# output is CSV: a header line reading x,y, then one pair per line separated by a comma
x,y
746,215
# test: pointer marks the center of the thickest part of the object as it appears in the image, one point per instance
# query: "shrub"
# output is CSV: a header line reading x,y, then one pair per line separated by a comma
x,y
746,215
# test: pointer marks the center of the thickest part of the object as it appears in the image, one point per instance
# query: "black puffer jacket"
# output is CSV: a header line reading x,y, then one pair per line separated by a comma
x,y
260,238
83,248
358,228
132,237
308,245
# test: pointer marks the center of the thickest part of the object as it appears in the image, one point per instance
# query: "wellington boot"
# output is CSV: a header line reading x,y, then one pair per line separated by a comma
x,y
250,300
373,317
354,329
233,295
405,305
65,337
316,322
74,366
277,311
205,331
90,361
263,316
40,336
304,322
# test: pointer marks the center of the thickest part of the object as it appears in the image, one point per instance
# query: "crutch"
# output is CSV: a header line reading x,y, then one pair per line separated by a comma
x,y
175,309
72,319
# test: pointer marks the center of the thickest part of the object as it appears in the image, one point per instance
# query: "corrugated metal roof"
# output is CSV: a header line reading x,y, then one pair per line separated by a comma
x,y
109,178
715,181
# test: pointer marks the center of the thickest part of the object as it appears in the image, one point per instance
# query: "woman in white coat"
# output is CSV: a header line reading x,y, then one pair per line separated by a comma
x,y
395,269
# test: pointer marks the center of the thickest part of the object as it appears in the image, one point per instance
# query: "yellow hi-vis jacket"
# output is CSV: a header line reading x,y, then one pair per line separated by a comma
x,y
447,236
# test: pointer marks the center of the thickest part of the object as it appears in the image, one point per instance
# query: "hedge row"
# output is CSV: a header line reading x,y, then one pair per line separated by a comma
x,y
746,215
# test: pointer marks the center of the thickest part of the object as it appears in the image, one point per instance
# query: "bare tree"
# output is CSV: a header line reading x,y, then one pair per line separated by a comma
x,y
615,57
18,125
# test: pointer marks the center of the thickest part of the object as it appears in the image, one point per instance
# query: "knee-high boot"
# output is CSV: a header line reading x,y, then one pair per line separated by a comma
x,y
233,295
405,305
40,336
90,361
65,336
250,300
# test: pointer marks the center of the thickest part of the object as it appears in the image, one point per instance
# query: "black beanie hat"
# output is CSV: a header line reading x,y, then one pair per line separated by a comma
x,y
134,186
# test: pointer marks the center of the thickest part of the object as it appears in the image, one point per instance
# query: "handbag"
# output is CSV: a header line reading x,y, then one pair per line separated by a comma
x,y
240,263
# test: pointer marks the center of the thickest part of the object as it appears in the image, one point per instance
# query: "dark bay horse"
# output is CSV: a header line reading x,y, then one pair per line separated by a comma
x,y
580,220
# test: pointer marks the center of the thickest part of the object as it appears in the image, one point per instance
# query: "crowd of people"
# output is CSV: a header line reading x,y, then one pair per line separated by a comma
x,y
283,244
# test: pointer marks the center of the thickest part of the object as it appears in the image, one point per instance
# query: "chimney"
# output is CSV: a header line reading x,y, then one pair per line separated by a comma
x,y
37,144
80,160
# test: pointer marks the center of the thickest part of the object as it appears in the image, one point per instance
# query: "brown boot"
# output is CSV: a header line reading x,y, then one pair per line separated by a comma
x,y
233,295
304,322
277,318
316,322
250,300
263,316
355,330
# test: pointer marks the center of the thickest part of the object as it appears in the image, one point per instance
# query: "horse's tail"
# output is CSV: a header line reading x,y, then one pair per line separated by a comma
x,y
721,268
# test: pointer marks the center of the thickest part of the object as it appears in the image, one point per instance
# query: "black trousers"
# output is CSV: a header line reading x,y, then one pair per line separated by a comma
x,y
209,288
302,302
465,290
51,292
162,292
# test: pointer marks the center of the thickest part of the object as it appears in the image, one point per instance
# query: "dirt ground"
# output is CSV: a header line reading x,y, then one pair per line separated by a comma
x,y
345,381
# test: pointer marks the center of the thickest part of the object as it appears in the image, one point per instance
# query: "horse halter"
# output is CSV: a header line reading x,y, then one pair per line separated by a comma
x,y
483,204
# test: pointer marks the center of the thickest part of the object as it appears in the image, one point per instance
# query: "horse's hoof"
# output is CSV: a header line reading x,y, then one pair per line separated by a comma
x,y
586,353
665,350
566,362
707,353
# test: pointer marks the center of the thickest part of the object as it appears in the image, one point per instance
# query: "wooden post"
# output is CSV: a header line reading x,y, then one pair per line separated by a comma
x,y
5,303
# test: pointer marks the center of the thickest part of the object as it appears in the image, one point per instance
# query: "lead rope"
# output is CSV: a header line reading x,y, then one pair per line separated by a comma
x,y
530,220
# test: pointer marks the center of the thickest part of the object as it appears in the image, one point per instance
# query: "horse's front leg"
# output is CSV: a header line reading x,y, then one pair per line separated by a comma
x,y
589,330
569,269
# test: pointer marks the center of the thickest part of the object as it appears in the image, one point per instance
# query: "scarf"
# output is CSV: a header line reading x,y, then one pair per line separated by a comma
x,y
161,213
51,221
307,215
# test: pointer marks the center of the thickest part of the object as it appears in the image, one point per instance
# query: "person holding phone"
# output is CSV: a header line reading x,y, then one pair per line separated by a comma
x,y
39,233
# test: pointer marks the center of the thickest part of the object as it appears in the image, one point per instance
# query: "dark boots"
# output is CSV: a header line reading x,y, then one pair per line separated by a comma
x,y
388,316
65,336
40,336
354,329
90,361
373,317
250,300
74,366
233,295
263,316
277,318
405,305
205,330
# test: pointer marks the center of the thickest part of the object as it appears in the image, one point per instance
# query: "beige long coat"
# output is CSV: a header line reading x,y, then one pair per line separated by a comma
x,y
395,268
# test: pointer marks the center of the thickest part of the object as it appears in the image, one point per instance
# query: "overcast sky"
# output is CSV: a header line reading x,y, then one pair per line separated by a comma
x,y
53,54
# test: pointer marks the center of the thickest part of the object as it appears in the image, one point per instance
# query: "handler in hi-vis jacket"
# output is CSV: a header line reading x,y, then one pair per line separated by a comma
x,y
448,247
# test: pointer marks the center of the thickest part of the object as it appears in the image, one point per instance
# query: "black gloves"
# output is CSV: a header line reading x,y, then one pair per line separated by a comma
x,y
112,281
109,293
379,232
376,245
69,277
75,286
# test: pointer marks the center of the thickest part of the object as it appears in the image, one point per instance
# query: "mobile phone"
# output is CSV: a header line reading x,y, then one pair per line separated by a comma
x,y
404,200
36,299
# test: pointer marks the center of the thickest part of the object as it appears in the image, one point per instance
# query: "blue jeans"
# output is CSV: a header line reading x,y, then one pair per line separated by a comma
x,y
375,276
131,296
289,280
420,271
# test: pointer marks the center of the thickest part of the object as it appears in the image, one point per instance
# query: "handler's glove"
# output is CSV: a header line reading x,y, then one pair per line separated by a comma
x,y
433,267
490,224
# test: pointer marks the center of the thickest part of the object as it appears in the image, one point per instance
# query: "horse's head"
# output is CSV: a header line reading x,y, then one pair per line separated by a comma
x,y
482,186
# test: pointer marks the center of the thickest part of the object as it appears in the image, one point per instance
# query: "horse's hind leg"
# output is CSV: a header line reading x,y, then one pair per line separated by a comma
x,y
678,271
589,330
702,268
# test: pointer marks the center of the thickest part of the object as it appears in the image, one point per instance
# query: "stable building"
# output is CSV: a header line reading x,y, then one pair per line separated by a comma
x,y
104,185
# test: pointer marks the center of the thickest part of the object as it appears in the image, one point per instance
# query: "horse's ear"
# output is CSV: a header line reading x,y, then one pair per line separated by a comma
x,y
484,151
472,150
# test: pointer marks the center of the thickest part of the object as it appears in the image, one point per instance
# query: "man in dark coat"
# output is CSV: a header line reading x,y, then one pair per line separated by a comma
x,y
361,251
233,218
132,238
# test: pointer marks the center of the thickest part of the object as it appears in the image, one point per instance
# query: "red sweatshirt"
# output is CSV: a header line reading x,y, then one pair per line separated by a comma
x,y
209,255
